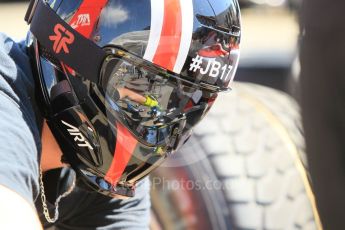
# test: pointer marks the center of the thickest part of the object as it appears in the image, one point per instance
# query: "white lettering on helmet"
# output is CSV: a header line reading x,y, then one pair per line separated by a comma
x,y
83,20
211,67
78,136
215,70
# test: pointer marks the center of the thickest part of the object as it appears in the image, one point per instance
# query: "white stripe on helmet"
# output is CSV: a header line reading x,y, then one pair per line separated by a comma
x,y
187,32
157,15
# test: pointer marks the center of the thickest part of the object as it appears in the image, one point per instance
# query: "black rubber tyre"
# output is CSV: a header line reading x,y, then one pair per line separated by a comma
x,y
243,168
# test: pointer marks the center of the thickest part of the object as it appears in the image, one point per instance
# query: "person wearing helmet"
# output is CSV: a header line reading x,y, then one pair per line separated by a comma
x,y
110,89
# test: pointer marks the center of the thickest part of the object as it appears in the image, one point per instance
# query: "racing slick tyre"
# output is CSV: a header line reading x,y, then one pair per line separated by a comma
x,y
242,169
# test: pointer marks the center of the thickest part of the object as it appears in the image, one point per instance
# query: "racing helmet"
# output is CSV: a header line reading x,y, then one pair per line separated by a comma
x,y
123,82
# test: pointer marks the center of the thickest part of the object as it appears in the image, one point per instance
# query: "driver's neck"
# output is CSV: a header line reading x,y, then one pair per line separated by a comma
x,y
51,152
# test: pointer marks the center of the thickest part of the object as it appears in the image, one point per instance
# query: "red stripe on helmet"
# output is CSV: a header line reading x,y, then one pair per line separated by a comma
x,y
125,145
169,43
84,20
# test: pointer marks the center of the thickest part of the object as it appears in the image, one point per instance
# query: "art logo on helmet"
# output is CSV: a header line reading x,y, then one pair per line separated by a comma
x,y
78,136
62,38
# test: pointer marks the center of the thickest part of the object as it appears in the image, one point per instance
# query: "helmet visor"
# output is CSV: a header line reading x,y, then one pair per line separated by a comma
x,y
156,106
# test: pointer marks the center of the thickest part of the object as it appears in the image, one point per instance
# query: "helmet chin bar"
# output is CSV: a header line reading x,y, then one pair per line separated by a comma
x,y
53,118
126,191
81,153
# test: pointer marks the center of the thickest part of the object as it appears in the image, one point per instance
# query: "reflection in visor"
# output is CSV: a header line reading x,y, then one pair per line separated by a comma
x,y
154,106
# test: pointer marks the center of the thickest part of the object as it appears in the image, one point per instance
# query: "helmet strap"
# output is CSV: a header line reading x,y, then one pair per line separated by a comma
x,y
65,43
